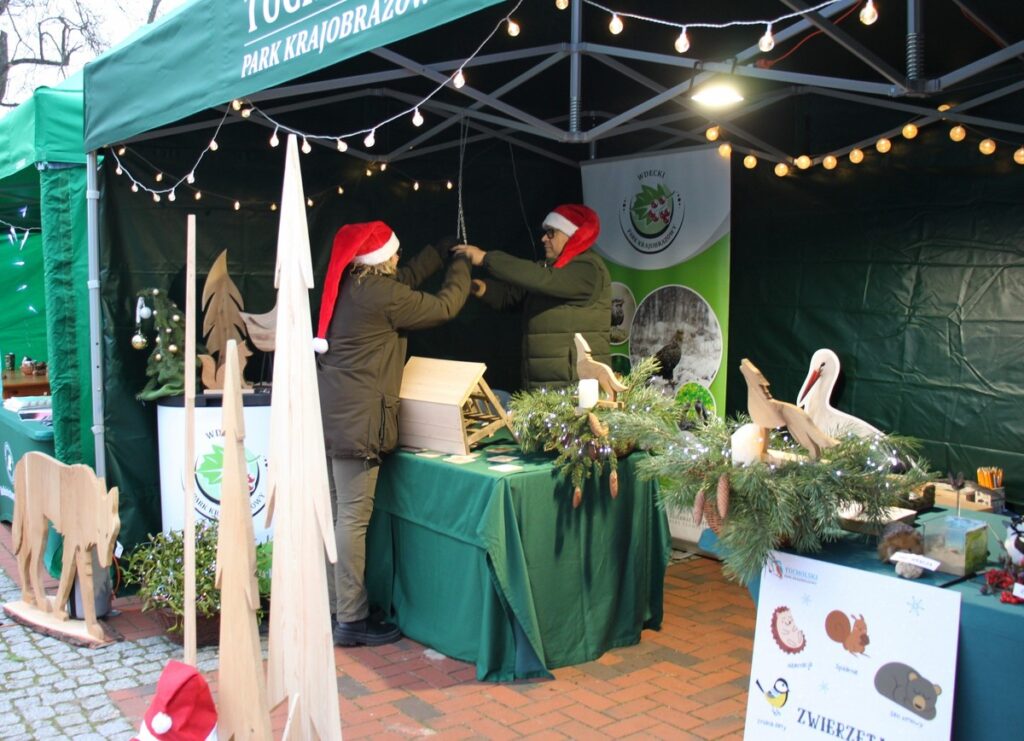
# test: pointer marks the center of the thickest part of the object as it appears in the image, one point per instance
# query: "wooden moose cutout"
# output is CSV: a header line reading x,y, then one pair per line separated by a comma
x,y
78,504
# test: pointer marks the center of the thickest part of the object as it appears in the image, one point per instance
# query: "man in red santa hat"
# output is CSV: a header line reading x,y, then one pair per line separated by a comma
x,y
369,305
567,292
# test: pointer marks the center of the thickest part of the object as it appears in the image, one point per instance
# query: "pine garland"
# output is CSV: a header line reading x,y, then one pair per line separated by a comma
x,y
547,420
794,503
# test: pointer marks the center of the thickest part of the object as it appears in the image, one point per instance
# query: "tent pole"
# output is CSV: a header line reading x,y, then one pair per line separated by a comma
x,y
574,67
92,196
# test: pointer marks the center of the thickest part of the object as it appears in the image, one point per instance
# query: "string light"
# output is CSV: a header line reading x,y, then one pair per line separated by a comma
x,y
615,25
159,177
803,161
512,28
561,4
198,195
156,198
909,131
191,178
868,14
213,145
236,104
341,190
767,42
369,172
1018,156
856,156
883,145
238,206
943,107
118,170
246,112
306,148
273,207
417,118
172,196
682,44
383,166
449,185
987,146
309,202
958,133
782,169
370,140
750,162
725,150
342,146
121,150
829,162
135,187
712,133
274,141
416,185
459,81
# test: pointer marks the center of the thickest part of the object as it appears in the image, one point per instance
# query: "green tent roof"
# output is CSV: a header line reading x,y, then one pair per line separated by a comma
x,y
211,51
45,128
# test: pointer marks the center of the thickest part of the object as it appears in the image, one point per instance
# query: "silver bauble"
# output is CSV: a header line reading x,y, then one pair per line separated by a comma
x,y
139,341
145,312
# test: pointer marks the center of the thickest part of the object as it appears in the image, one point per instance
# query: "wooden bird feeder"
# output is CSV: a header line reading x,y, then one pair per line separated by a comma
x,y
447,406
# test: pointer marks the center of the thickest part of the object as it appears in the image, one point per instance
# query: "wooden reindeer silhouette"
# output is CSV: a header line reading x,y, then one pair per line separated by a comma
x,y
81,509
587,367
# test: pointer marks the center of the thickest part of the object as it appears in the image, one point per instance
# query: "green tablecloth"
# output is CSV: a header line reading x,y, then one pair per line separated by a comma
x,y
990,649
498,569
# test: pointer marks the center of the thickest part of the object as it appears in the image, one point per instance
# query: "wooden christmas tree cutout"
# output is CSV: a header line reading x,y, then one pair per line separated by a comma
x,y
222,322
447,405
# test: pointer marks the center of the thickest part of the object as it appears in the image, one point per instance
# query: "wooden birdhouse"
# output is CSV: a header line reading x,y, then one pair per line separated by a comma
x,y
447,406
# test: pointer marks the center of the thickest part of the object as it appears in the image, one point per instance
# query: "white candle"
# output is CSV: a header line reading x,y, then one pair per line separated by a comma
x,y
747,444
588,393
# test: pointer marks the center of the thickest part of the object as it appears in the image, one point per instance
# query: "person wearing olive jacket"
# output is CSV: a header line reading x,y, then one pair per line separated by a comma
x,y
368,307
568,292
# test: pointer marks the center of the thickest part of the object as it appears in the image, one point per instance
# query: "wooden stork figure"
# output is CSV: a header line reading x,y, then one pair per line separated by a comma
x,y
816,392
771,413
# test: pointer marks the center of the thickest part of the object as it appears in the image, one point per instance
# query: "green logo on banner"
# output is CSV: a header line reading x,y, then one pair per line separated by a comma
x,y
652,216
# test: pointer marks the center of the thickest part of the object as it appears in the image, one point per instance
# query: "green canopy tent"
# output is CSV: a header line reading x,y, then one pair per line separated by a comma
x,y
42,205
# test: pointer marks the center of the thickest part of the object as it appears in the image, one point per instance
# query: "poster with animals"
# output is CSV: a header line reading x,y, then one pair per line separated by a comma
x,y
846,653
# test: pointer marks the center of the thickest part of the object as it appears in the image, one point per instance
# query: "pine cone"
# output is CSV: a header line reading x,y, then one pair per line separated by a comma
x,y
722,496
599,430
698,508
577,497
613,484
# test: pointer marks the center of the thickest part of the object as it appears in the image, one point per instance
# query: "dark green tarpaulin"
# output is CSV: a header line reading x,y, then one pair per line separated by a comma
x,y
211,51
43,281
911,268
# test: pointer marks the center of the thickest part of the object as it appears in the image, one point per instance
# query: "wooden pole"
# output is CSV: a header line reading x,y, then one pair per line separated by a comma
x,y
190,444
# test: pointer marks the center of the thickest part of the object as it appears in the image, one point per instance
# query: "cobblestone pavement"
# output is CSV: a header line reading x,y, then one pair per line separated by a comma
x,y
52,690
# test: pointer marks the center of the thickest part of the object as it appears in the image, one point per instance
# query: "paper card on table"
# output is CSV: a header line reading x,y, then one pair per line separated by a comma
x,y
460,459
429,454
502,459
409,449
506,467
1018,591
912,558
500,449
841,648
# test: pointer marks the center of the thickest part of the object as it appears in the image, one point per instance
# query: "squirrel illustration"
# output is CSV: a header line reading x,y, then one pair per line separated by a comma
x,y
854,639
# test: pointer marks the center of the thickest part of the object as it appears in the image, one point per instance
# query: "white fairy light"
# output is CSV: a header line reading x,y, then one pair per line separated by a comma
x,y
417,117
369,141
459,80
306,148
274,141
767,42
683,42
342,146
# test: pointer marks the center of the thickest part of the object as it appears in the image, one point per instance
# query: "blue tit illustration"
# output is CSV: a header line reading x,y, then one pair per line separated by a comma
x,y
777,695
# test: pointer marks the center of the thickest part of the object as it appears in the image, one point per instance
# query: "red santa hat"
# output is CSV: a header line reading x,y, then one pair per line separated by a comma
x,y
182,708
579,223
366,244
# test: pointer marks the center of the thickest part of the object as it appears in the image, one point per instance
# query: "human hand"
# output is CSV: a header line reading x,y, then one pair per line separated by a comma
x,y
478,288
473,253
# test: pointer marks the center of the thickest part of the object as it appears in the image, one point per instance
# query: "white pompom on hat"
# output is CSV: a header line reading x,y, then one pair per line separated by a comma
x,y
580,223
369,243
182,708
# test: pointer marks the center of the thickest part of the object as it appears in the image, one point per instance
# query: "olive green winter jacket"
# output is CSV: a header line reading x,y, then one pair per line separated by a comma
x,y
556,303
360,375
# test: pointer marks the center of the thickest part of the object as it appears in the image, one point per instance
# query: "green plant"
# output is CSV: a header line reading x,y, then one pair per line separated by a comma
x,y
156,567
790,501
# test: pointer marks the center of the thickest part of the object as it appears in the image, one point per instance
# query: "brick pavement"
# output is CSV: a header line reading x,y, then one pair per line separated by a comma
x,y
687,681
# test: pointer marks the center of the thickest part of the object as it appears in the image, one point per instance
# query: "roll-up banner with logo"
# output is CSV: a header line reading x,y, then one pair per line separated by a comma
x,y
665,222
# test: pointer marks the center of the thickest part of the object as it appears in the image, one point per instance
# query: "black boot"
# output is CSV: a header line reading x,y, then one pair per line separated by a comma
x,y
365,632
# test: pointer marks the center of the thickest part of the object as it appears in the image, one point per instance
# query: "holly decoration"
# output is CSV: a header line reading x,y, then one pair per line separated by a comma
x,y
165,368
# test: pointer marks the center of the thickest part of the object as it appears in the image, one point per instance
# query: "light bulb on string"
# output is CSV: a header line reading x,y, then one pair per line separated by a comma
x,y
214,145
246,112
712,133
369,172
199,195
156,198
118,170
958,133
459,80
172,196
306,148
449,185
767,42
561,4
416,185
1018,156
236,104
121,150
615,25
273,207
782,169
987,146
750,162
868,14
383,166
829,162
190,178
274,141
341,190
512,28
342,146
238,206
909,131
159,177
135,187
725,150
943,107
417,117
370,140
856,156
803,161
682,44
309,202
883,145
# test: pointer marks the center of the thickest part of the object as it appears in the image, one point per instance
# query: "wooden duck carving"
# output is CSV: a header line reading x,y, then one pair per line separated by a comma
x,y
772,413
587,367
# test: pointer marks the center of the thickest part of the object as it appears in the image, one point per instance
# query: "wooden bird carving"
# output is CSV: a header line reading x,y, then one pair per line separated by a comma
x,y
768,412
587,367
261,328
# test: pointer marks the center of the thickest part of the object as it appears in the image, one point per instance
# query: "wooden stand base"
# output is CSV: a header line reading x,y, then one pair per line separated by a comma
x,y
70,631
